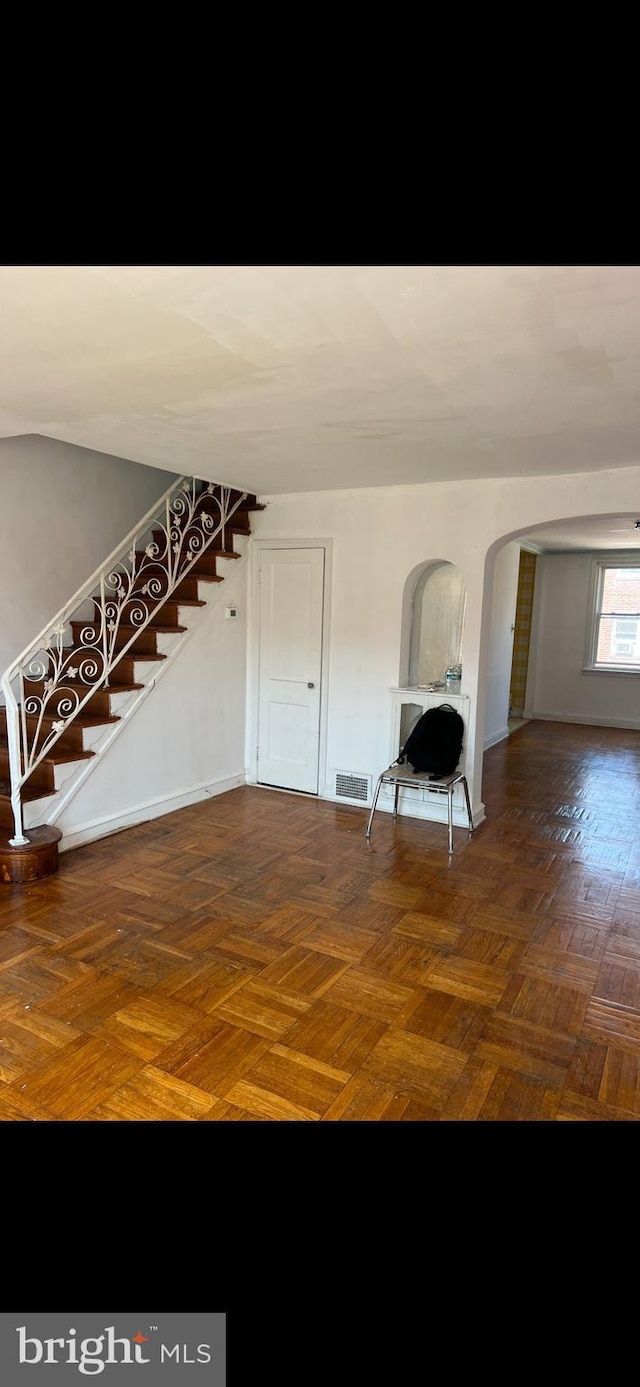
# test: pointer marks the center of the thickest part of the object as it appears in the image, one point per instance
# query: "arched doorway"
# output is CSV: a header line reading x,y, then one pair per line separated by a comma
x,y
562,684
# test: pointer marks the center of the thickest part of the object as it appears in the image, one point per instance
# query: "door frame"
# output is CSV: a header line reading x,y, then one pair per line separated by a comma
x,y
253,655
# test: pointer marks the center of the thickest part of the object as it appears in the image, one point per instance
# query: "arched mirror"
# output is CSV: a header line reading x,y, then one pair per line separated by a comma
x,y
437,623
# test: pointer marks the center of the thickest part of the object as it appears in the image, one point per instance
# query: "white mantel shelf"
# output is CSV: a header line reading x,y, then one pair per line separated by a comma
x,y
441,695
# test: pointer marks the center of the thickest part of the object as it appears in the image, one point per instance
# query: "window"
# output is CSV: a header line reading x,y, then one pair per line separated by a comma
x,y
614,638
625,638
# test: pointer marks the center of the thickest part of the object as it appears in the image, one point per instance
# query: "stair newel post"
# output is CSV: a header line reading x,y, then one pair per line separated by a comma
x,y
15,717
24,731
105,634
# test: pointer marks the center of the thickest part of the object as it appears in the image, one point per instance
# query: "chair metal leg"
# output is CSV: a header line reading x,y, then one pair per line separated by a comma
x,y
466,795
373,808
450,807
462,779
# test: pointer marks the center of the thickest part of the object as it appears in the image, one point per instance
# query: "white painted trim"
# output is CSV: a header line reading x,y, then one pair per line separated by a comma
x,y
148,809
438,813
534,644
530,547
632,724
611,669
253,651
417,811
495,738
414,811
279,790
596,579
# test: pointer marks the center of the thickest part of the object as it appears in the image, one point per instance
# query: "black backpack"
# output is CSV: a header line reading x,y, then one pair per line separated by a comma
x,y
435,745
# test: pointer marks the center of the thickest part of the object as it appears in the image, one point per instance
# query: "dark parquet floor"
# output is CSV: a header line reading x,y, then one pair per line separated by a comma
x,y
254,958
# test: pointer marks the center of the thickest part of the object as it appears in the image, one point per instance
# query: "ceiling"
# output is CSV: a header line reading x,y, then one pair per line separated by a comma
x,y
306,378
587,533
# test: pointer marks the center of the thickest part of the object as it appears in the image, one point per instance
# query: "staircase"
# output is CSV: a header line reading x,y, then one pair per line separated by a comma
x,y
99,657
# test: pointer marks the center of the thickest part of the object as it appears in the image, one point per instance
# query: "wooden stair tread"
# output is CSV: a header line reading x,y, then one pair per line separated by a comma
x,y
80,719
164,628
54,757
80,684
45,833
28,792
60,758
210,548
179,602
84,719
127,626
201,577
138,655
128,655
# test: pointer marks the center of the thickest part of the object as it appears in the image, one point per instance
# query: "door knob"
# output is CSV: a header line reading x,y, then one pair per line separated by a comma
x,y
311,686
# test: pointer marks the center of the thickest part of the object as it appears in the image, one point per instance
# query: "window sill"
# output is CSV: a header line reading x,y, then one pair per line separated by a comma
x,y
613,669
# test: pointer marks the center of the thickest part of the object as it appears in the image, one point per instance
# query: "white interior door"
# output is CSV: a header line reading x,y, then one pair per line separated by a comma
x,y
291,615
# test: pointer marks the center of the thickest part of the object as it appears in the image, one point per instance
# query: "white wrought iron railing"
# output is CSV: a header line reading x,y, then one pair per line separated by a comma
x,y
127,591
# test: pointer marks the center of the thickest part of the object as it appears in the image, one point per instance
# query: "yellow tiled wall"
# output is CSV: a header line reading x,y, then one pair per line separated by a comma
x,y
522,632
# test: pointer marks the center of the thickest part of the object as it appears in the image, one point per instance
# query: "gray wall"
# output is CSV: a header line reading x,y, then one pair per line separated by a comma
x,y
63,510
557,687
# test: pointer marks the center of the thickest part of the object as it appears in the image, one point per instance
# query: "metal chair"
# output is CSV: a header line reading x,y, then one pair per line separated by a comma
x,y
406,776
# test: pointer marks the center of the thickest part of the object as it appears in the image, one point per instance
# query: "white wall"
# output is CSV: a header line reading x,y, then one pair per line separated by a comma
x,y
379,536
560,689
63,510
187,739
193,732
503,615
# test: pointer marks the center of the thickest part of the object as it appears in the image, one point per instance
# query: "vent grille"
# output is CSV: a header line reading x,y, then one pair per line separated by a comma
x,y
353,787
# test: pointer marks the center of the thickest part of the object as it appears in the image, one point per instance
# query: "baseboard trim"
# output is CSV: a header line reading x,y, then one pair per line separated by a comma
x,y
495,738
76,836
626,724
435,813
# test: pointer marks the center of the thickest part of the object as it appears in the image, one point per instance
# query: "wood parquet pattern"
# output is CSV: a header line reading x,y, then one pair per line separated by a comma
x,y
255,958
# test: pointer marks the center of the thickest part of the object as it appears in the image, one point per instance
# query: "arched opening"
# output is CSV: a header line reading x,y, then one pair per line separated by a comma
x,y
561,683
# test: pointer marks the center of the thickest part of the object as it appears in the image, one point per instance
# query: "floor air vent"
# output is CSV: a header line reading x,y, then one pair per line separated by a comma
x,y
356,788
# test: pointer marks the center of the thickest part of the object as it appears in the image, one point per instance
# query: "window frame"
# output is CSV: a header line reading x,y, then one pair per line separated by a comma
x,y
599,566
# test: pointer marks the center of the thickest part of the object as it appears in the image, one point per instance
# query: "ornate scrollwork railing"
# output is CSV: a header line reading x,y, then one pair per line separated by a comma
x,y
51,681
